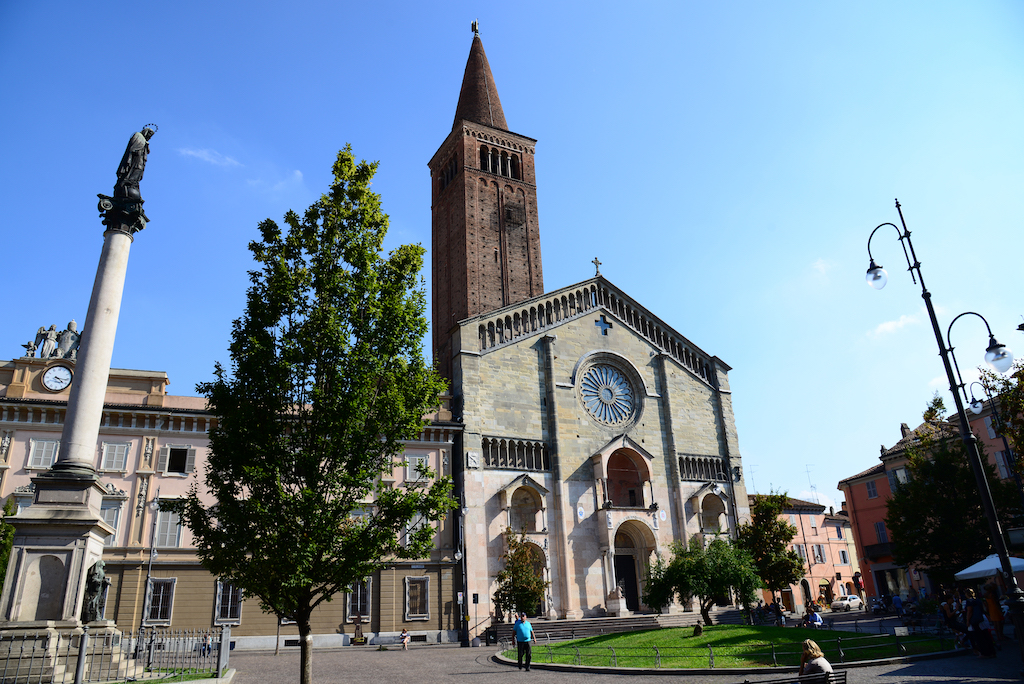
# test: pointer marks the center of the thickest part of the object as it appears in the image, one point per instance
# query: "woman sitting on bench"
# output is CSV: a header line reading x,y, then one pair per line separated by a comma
x,y
813,660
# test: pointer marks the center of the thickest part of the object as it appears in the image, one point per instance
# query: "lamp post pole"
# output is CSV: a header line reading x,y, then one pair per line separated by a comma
x,y
1001,359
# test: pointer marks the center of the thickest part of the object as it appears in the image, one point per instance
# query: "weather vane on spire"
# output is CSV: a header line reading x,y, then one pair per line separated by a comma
x,y
476,27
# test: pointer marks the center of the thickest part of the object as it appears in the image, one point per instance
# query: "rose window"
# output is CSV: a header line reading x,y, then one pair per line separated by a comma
x,y
607,395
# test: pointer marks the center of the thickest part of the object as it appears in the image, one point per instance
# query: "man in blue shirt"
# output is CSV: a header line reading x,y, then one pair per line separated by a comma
x,y
524,640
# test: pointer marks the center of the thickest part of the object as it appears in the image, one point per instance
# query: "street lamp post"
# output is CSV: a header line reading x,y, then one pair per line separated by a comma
x,y
1000,358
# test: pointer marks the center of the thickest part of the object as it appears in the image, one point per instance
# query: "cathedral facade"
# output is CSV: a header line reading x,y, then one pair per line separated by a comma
x,y
589,424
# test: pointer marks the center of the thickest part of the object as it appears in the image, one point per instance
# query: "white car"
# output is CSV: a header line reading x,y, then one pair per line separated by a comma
x,y
847,603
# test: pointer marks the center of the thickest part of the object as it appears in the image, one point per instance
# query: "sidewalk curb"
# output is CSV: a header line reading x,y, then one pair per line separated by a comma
x,y
677,671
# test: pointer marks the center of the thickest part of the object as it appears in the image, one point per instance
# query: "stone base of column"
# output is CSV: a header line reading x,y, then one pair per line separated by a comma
x,y
56,541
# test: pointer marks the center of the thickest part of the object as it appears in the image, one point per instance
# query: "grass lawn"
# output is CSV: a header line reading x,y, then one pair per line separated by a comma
x,y
732,646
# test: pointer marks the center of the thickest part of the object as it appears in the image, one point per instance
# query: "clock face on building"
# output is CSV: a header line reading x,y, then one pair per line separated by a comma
x,y
607,394
56,378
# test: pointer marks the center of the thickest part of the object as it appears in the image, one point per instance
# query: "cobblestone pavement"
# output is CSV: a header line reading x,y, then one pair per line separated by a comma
x,y
449,663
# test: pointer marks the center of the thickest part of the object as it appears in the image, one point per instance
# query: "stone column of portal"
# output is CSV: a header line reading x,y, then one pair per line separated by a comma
x,y
58,540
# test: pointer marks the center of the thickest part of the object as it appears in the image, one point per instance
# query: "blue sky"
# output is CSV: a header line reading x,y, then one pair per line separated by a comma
x,y
725,161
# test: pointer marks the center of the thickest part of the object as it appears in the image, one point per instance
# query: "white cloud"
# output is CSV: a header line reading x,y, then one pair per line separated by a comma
x,y
892,326
210,156
822,267
287,186
823,499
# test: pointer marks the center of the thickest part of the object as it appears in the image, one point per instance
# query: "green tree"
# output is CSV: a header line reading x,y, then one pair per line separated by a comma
x,y
1010,392
521,585
327,378
703,573
935,518
6,537
766,538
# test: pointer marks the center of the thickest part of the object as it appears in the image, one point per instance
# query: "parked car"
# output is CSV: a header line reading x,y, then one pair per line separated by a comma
x,y
851,602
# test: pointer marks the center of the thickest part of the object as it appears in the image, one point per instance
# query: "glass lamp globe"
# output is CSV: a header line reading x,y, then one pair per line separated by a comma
x,y
877,277
977,406
998,356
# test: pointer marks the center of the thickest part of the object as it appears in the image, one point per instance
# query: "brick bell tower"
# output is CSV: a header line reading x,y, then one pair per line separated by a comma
x,y
486,241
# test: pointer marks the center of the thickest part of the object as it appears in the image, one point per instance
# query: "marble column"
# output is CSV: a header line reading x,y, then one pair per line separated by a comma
x,y
58,540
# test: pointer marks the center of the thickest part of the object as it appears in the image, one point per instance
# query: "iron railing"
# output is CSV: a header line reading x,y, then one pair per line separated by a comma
x,y
77,656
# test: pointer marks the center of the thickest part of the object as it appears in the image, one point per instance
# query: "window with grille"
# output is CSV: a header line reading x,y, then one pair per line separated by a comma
x,y
359,600
161,599
229,604
43,452
417,598
115,456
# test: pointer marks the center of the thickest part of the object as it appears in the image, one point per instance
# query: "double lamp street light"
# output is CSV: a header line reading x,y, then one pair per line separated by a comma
x,y
997,356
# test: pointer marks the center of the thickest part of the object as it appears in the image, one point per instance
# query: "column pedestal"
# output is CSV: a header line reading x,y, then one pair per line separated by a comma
x,y
56,541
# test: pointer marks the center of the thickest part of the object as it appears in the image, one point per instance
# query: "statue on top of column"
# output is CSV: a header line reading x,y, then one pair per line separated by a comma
x,y
123,212
133,164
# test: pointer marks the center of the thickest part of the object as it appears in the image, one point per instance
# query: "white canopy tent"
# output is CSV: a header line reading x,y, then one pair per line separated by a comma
x,y
988,568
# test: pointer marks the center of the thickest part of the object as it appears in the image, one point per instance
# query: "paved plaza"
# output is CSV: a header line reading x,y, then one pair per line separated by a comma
x,y
450,663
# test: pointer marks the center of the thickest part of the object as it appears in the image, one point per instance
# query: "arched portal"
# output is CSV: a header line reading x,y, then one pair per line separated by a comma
x,y
806,589
540,570
634,544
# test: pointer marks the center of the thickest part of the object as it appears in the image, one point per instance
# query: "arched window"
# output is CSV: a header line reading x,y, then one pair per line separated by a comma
x,y
625,485
525,510
485,161
516,171
712,514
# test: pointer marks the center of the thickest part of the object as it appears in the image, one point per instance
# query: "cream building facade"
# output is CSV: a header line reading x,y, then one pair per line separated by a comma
x,y
152,447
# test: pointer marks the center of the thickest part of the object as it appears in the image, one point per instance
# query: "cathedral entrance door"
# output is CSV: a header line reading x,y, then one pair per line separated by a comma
x,y
625,572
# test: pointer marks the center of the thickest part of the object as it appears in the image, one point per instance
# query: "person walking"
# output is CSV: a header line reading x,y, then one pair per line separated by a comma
x,y
524,640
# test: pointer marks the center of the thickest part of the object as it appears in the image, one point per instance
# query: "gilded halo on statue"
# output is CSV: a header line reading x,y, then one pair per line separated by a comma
x,y
607,394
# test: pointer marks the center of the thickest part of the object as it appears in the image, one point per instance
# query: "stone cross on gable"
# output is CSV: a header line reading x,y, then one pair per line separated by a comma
x,y
597,266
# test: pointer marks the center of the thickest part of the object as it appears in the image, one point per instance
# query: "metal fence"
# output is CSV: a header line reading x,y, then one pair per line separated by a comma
x,y
51,656
838,650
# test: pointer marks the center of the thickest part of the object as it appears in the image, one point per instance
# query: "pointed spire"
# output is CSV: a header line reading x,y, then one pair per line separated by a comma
x,y
478,99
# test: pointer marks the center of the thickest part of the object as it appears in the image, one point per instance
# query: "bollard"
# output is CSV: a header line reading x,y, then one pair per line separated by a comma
x,y
775,660
657,657
711,657
83,644
225,650
839,645
615,660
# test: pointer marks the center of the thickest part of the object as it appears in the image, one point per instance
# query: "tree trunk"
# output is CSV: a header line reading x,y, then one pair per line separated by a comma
x,y
705,613
306,649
